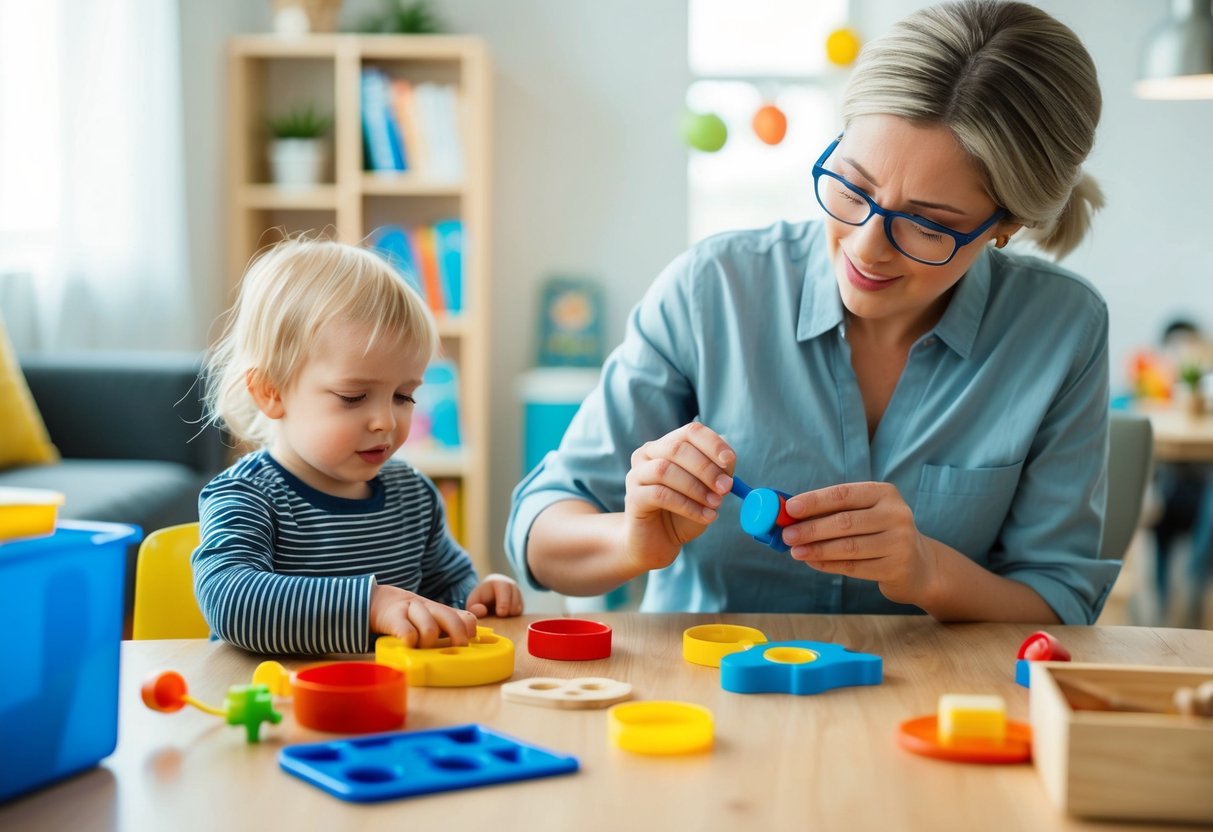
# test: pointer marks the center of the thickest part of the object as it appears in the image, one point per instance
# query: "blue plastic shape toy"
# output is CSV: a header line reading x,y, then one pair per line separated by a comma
x,y
799,667
411,763
1023,672
763,515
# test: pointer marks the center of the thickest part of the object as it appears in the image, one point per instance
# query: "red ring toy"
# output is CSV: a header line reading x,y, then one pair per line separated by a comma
x,y
350,697
569,639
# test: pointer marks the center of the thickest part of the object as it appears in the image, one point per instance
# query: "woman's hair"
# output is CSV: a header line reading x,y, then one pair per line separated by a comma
x,y
288,294
1016,87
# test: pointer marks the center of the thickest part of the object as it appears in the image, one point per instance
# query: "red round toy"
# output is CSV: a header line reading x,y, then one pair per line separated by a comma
x,y
569,639
165,692
1042,647
350,697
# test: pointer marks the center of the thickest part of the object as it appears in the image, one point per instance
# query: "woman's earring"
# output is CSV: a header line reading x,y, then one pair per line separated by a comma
x,y
1002,240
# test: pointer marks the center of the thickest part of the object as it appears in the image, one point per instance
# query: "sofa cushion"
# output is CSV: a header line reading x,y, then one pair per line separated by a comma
x,y
115,491
24,440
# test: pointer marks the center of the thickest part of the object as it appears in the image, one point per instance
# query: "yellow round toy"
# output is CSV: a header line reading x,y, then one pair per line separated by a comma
x,y
660,727
486,659
842,46
707,644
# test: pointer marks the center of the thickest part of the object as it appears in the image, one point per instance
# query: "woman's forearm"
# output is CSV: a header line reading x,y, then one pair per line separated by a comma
x,y
575,549
966,591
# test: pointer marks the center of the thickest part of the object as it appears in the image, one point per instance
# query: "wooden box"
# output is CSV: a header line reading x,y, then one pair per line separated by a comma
x,y
1119,764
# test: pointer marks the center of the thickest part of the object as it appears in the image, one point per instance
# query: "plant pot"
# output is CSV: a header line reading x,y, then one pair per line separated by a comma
x,y
295,18
297,163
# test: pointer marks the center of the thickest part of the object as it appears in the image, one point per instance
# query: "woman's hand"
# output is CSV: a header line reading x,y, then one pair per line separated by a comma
x,y
675,485
418,621
863,530
496,595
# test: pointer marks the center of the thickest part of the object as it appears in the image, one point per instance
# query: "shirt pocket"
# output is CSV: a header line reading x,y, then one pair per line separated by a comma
x,y
965,507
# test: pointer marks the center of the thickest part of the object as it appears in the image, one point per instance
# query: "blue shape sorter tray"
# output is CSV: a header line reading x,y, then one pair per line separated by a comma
x,y
411,763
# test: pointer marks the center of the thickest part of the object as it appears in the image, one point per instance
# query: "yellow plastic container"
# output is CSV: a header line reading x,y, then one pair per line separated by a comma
x,y
708,644
660,727
28,512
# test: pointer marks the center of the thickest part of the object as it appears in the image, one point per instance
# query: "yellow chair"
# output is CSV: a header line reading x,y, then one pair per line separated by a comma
x,y
165,606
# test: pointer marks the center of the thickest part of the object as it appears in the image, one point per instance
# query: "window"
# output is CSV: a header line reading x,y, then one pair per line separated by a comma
x,y
746,55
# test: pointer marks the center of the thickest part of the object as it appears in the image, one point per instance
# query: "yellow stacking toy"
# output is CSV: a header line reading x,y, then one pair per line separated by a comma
x,y
971,717
28,512
707,644
487,658
660,727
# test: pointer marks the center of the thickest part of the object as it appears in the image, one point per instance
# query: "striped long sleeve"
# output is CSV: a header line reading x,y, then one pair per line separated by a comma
x,y
283,568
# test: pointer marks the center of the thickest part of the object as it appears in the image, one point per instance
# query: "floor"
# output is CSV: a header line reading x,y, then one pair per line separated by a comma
x,y
1134,601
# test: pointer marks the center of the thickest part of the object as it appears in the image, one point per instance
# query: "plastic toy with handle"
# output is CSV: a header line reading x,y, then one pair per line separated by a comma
x,y
247,705
764,513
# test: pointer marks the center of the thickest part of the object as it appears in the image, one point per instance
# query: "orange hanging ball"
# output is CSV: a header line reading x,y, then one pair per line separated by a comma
x,y
770,124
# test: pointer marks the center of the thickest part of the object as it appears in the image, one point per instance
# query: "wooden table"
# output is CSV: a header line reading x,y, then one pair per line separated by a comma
x,y
1180,436
780,762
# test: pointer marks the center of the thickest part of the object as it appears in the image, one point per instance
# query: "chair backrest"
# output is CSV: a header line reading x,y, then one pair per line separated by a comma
x,y
1130,453
165,606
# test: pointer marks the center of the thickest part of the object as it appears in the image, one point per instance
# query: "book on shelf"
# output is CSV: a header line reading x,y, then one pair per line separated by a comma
x,y
380,131
430,258
451,491
412,127
436,414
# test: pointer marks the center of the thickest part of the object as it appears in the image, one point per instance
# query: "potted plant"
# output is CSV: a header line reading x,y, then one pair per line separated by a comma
x,y
1191,374
298,150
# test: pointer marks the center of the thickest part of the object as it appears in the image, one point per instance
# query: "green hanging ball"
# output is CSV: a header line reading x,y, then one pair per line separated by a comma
x,y
704,131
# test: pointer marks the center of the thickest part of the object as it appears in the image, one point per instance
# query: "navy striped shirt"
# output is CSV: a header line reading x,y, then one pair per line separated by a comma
x,y
284,568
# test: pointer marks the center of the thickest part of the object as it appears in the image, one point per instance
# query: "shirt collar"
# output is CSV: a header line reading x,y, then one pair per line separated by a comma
x,y
821,305
962,319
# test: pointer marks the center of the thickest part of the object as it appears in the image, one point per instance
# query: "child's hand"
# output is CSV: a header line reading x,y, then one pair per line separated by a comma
x,y
418,621
496,594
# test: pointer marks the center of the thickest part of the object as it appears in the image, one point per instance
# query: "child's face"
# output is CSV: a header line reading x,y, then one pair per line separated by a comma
x,y
347,410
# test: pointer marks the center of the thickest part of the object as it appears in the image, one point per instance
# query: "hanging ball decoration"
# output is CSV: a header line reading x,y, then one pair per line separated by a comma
x,y
704,131
770,124
842,47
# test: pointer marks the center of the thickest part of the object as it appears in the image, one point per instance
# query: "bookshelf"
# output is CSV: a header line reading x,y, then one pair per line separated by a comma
x,y
267,74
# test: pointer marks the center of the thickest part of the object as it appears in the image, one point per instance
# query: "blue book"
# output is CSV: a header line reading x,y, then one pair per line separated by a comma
x,y
375,129
448,242
393,244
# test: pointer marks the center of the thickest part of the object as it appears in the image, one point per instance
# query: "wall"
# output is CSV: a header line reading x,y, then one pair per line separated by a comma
x,y
589,174
589,178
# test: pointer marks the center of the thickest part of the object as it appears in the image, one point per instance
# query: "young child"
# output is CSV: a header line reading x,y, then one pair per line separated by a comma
x,y
320,540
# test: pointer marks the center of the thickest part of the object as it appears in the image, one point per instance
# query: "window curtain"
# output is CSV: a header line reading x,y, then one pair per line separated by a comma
x,y
91,144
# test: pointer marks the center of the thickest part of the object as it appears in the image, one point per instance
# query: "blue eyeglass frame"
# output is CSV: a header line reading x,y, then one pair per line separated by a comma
x,y
960,238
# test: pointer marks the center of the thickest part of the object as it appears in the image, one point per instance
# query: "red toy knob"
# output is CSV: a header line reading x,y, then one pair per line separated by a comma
x,y
165,692
1042,647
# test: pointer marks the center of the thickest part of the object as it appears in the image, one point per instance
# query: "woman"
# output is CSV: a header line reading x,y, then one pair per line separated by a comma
x,y
937,406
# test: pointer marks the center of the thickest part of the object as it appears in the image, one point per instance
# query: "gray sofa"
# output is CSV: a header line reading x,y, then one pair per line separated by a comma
x,y
126,425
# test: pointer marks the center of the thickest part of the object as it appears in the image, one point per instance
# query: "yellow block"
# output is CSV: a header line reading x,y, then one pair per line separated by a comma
x,y
968,717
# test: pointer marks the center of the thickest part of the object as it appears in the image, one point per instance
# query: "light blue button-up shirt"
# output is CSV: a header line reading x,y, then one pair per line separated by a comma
x,y
996,434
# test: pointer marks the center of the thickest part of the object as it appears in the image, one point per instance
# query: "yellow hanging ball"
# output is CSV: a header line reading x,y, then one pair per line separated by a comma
x,y
842,46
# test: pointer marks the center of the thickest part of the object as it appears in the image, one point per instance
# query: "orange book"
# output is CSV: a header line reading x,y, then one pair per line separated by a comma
x,y
452,496
425,248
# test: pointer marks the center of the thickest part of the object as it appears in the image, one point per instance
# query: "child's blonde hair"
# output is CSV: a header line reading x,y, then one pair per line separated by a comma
x,y
288,293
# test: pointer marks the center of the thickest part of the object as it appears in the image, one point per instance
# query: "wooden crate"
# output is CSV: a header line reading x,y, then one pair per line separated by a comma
x,y
1116,764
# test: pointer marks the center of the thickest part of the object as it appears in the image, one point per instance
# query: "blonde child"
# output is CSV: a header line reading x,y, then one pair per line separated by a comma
x,y
320,540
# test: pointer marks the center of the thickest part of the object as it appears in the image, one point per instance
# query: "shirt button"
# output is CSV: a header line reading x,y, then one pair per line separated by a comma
x,y
930,342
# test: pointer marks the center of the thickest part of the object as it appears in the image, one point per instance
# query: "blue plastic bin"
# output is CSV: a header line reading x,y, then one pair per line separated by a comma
x,y
61,603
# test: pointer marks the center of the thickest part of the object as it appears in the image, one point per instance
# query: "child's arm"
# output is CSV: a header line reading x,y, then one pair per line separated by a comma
x,y
247,604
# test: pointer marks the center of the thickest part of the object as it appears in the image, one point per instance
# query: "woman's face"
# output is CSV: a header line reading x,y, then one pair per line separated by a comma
x,y
917,169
